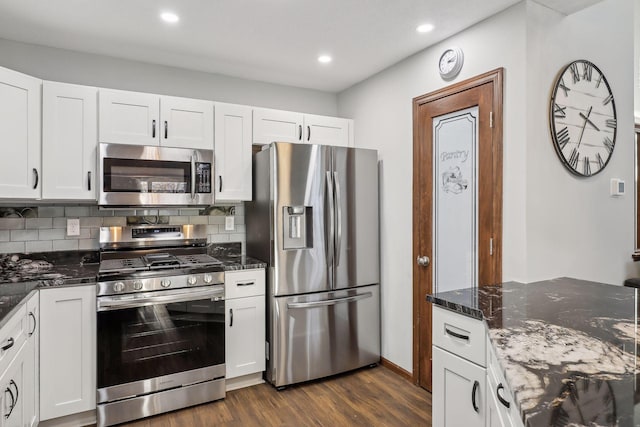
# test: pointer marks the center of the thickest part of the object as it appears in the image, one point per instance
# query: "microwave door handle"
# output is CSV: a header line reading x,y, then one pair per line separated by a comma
x,y
193,176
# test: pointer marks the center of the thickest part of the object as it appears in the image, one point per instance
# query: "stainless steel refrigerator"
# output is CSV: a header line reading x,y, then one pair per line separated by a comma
x,y
314,218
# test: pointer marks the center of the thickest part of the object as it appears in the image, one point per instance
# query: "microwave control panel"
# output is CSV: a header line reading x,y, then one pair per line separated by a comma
x,y
203,177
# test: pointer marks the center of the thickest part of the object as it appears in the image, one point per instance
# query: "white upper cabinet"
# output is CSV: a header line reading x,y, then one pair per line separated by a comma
x,y
20,127
147,119
276,126
69,141
129,117
285,126
232,152
326,130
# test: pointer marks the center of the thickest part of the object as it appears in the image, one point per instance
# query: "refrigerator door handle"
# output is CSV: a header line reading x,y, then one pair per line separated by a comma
x,y
338,244
328,301
330,236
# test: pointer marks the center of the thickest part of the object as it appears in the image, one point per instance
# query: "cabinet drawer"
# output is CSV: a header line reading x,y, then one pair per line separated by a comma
x,y
13,335
245,283
459,334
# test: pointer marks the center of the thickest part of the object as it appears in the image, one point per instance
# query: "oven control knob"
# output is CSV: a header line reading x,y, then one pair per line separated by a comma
x,y
165,283
137,285
118,286
208,278
192,280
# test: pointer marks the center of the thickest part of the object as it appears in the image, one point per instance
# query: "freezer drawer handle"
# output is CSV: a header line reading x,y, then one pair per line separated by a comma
x,y
500,398
329,301
455,334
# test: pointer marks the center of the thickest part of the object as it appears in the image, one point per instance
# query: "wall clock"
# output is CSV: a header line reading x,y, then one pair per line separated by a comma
x,y
582,114
450,63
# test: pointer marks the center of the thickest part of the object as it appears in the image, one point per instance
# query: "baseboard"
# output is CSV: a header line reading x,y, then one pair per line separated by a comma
x,y
244,381
75,420
396,369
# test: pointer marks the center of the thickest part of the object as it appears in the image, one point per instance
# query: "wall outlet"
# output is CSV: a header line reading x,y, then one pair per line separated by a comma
x,y
73,227
229,223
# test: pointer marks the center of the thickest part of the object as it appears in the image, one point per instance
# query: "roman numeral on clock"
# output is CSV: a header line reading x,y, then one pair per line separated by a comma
x,y
600,161
586,166
559,111
564,87
607,100
574,72
562,137
573,160
608,144
588,70
599,81
612,123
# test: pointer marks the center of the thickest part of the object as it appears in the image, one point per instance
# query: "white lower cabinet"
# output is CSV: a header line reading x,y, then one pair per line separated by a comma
x,y
245,327
32,363
12,385
501,411
459,391
67,351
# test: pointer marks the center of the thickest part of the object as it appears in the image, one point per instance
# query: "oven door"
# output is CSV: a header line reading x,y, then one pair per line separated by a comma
x,y
159,340
135,175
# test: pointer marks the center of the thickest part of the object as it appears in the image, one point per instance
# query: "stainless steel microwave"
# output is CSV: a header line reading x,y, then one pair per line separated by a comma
x,y
153,176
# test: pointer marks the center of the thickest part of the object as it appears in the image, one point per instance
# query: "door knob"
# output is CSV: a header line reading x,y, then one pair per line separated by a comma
x,y
423,261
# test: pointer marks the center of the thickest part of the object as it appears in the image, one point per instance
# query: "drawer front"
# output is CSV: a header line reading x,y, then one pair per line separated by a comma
x,y
459,334
245,283
12,336
500,390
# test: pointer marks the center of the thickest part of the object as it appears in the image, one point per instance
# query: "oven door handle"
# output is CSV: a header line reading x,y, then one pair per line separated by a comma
x,y
107,303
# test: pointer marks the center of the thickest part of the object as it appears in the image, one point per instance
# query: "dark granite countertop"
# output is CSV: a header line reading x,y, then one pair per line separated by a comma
x,y
12,297
231,257
64,268
568,348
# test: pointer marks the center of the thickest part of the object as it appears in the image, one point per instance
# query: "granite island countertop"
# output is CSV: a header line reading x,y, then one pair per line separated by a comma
x,y
568,348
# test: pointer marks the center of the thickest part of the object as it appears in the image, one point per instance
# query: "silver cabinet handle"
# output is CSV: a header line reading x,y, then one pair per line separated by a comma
x,y
153,128
35,323
328,301
231,317
35,172
423,261
500,398
245,284
89,180
456,335
166,129
299,132
308,133
220,186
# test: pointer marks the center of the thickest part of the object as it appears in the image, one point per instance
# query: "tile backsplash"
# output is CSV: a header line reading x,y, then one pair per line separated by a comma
x,y
44,228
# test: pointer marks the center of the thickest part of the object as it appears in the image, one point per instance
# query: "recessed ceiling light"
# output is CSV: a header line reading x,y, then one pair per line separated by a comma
x,y
424,28
169,17
325,59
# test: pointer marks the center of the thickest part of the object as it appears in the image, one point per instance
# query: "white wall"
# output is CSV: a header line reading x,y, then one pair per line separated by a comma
x,y
636,59
103,71
574,227
382,109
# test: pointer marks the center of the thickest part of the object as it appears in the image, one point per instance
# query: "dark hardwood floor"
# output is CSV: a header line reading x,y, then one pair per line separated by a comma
x,y
367,397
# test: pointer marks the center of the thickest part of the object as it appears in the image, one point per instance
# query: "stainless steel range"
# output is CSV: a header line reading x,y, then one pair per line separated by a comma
x,y
160,322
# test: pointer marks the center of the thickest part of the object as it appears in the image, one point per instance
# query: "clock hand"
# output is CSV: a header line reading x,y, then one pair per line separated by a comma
x,y
584,125
589,121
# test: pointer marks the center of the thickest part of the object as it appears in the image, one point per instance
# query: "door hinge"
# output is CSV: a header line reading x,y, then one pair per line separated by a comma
x,y
491,246
491,119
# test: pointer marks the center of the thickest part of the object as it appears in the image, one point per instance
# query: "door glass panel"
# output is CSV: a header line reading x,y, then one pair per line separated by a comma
x,y
455,263
148,342
146,176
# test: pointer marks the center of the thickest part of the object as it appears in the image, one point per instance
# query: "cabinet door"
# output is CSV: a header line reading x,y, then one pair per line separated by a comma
x,y
186,123
458,391
32,368
13,391
232,152
69,141
495,417
128,117
275,125
67,351
245,336
326,130
20,126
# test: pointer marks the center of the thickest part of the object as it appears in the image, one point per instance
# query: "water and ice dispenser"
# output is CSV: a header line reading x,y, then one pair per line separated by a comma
x,y
297,222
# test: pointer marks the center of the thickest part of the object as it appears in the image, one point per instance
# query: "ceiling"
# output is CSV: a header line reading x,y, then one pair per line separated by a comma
x,y
276,41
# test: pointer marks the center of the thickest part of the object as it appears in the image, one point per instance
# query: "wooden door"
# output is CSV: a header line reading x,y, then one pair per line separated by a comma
x,y
186,123
69,141
485,93
129,117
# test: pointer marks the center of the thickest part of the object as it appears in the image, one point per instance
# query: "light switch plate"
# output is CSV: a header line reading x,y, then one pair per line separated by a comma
x,y
73,227
229,223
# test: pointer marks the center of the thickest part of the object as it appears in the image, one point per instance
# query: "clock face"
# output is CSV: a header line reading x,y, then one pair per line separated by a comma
x,y
451,63
583,118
